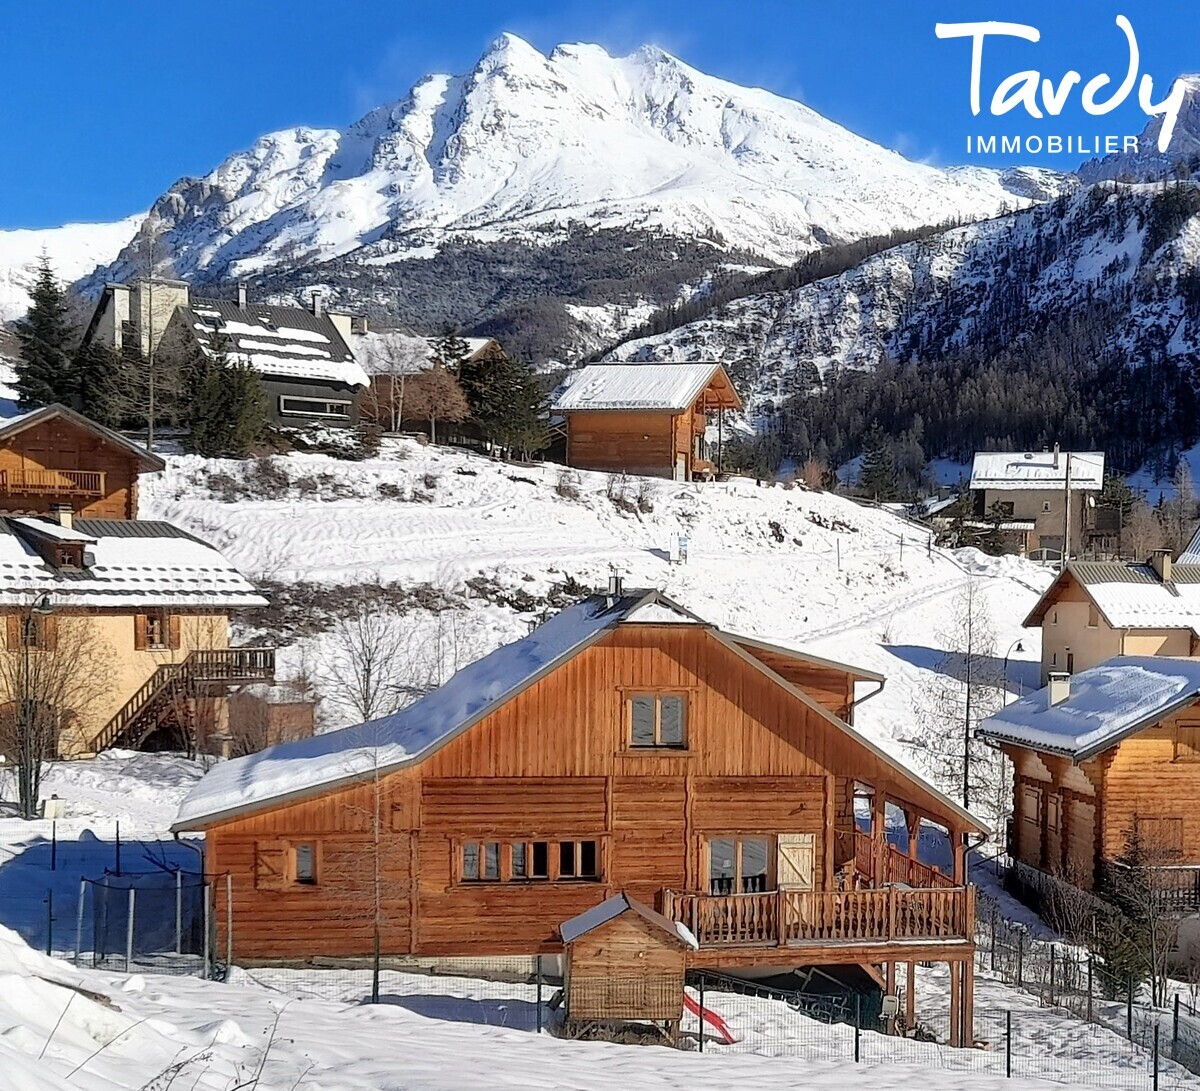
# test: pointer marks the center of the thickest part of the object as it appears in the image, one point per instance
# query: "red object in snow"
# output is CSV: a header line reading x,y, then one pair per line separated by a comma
x,y
711,1018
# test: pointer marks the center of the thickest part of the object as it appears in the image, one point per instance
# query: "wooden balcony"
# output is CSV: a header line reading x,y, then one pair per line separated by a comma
x,y
888,916
52,482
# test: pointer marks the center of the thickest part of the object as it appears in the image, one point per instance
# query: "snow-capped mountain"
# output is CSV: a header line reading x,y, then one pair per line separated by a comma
x,y
74,251
524,145
1148,164
1122,260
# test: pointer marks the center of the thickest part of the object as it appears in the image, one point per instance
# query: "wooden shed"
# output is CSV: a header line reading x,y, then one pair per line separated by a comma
x,y
647,419
625,963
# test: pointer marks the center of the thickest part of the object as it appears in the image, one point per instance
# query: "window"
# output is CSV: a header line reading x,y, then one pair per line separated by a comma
x,y
529,861
156,630
1070,662
1053,812
739,865
313,407
1187,742
1045,507
1160,840
1054,659
658,721
305,862
1054,618
68,556
1093,616
32,631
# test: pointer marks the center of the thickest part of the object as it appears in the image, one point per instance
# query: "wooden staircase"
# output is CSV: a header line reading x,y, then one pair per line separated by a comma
x,y
175,683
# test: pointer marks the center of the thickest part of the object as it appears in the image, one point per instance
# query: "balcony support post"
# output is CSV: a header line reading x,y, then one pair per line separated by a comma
x,y
955,1002
879,834
910,997
968,1002
891,991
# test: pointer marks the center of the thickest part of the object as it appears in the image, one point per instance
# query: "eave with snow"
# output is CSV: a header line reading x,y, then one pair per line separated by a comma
x,y
1107,762
624,747
647,419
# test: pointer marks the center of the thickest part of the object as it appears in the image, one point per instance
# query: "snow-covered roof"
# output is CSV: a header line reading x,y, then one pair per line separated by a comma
x,y
1132,596
1106,704
1191,552
395,352
1012,470
306,767
128,564
649,387
611,908
286,342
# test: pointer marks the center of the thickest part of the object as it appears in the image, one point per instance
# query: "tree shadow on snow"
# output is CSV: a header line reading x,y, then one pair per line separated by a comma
x,y
515,1014
1021,675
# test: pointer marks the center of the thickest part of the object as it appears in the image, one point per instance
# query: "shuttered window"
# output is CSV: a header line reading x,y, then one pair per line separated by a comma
x,y
31,630
658,721
156,630
1187,742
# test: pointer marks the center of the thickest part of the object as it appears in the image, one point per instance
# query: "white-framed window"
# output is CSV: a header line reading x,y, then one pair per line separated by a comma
x,y
313,407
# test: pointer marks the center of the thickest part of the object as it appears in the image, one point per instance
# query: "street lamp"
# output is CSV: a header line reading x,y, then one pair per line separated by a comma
x,y
1016,646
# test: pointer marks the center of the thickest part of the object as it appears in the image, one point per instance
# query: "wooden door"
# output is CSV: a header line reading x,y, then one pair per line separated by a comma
x,y
681,467
796,859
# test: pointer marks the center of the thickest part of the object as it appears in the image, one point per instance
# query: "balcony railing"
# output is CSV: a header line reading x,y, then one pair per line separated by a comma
x,y
793,918
897,867
53,482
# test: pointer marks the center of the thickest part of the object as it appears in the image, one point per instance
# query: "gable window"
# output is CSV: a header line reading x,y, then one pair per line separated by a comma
x,y
529,861
657,721
739,865
68,556
304,862
1093,616
313,407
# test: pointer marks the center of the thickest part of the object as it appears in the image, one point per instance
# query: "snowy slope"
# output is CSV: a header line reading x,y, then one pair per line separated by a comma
x,y
525,143
982,281
74,251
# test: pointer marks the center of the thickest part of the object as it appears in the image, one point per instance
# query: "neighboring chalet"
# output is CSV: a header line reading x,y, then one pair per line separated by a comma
x,y
305,357
117,631
1031,489
646,419
623,746
1095,610
53,457
1099,758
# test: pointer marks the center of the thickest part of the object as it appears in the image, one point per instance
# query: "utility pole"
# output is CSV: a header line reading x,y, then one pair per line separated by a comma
x,y
967,711
1066,549
150,346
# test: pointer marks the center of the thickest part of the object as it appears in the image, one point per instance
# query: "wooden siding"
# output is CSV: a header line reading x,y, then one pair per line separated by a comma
x,y
622,442
554,764
829,687
58,444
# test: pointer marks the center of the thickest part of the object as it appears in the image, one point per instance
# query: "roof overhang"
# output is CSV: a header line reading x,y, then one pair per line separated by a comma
x,y
148,459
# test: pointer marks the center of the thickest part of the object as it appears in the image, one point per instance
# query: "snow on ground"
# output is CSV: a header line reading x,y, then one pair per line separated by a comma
x,y
789,565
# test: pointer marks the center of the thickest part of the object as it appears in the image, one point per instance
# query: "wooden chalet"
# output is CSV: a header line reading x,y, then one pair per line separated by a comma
x,y
117,632
1096,610
1100,758
54,457
623,746
647,419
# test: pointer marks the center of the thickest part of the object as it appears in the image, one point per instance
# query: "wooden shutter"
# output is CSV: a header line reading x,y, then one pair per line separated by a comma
x,y
47,633
796,861
13,632
139,632
270,865
173,631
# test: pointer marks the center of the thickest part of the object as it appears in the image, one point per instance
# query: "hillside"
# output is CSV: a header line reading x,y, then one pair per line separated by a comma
x,y
1075,321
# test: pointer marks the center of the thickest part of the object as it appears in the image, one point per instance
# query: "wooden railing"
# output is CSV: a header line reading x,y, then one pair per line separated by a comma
x,y
796,918
59,482
897,867
174,680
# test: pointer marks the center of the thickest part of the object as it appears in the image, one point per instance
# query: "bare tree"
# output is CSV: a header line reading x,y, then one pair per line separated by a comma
x,y
368,661
54,675
393,363
436,395
965,686
1143,533
1180,510
814,472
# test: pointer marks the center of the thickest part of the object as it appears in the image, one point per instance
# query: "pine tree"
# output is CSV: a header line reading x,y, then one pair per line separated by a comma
x,y
506,402
450,351
44,372
98,394
227,406
878,475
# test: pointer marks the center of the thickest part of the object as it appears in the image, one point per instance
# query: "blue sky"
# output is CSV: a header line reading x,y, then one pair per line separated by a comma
x,y
104,105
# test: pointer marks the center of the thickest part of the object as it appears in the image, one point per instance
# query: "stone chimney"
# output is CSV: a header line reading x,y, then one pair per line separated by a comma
x,y
243,295
1160,561
1058,689
1056,454
63,514
318,306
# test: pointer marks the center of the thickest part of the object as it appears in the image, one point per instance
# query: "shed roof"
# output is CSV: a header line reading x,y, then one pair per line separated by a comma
x,y
1106,704
15,425
1131,595
128,564
1014,470
307,767
647,387
611,908
286,342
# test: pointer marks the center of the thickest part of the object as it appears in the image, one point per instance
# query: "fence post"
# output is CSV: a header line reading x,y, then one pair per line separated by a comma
x,y
79,919
129,927
229,933
1175,1028
178,911
1020,959
857,1026
204,972
1008,1045
538,971
700,1017
54,845
1089,1007
119,846
993,935
1154,1055
1129,1010
49,921
1052,975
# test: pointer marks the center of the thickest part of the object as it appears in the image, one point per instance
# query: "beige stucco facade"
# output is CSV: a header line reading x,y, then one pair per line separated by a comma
x,y
102,668
1045,508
